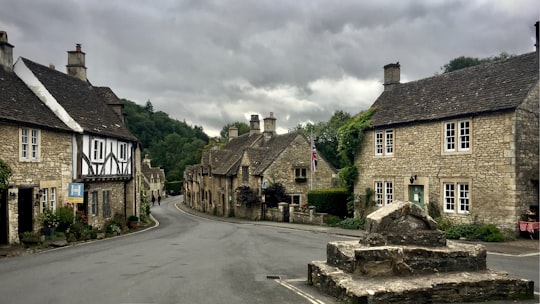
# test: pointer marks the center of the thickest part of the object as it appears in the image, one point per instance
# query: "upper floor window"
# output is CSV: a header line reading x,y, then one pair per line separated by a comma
x,y
384,142
29,146
384,193
457,136
456,197
122,152
300,174
98,150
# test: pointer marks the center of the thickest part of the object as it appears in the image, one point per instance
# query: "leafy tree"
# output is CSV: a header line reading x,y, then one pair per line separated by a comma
x,y
245,195
242,127
171,144
327,138
275,193
5,174
149,107
465,62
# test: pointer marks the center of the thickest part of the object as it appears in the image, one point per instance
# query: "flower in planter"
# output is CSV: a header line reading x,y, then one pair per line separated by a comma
x,y
49,219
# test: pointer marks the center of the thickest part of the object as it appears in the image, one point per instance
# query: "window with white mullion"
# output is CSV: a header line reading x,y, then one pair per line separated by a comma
x,y
379,143
464,135
24,143
53,199
449,197
389,142
389,193
449,137
98,150
34,143
463,198
379,193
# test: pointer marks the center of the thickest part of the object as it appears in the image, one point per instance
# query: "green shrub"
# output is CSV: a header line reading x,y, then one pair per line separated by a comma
x,y
352,223
482,232
444,223
65,218
332,201
332,220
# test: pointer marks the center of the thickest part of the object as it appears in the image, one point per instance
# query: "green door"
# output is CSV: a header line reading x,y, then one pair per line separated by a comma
x,y
416,194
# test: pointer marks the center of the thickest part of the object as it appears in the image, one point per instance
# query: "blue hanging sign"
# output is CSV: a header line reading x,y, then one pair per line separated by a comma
x,y
76,193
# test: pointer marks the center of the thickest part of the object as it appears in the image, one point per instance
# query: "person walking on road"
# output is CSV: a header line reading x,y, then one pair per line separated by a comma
x,y
153,199
159,199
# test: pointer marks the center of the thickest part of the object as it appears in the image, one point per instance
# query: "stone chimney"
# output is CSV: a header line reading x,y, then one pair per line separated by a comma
x,y
75,66
254,125
269,126
391,76
147,160
6,53
233,132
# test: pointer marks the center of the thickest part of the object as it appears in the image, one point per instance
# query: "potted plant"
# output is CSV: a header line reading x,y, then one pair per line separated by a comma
x,y
32,237
49,221
133,221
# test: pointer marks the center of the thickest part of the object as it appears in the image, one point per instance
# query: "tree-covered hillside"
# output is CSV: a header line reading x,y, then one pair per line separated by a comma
x,y
171,144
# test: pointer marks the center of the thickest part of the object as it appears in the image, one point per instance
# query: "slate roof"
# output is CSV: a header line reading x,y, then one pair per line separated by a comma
x,y
496,86
82,101
19,105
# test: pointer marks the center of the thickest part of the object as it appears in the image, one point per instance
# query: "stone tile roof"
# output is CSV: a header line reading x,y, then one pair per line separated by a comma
x,y
233,152
82,101
19,105
497,86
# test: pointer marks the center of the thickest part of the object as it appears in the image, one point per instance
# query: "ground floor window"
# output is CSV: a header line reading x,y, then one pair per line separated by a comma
x,y
384,192
456,197
106,204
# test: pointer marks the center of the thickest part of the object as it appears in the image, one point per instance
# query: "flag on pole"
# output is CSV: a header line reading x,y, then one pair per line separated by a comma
x,y
313,156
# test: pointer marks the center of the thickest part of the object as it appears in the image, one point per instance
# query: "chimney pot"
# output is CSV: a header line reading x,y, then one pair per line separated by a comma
x,y
6,53
78,47
254,124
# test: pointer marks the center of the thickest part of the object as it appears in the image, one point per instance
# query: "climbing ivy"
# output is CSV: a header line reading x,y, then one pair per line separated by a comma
x,y
5,174
351,137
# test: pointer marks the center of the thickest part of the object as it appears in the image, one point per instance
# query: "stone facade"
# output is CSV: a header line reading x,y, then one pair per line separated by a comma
x,y
499,167
255,160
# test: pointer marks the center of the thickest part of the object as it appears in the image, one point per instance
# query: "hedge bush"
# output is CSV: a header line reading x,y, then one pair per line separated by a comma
x,y
332,201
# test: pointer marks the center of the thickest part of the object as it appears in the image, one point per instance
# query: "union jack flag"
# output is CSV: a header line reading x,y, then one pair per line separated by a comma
x,y
313,156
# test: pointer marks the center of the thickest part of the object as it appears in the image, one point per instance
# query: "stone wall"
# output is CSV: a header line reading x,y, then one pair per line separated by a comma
x,y
489,166
116,200
53,169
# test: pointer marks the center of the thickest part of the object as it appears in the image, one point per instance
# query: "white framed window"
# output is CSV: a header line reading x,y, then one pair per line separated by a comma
x,y
98,150
29,144
384,193
122,151
379,143
457,136
449,197
44,199
53,199
384,143
456,197
463,198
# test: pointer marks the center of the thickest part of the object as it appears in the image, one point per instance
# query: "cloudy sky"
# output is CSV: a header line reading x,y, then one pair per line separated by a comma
x,y
210,63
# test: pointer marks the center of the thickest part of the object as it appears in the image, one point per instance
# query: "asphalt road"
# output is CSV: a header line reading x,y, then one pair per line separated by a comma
x,y
188,259
185,259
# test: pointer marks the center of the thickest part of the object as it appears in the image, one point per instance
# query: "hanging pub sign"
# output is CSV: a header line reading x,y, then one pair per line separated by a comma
x,y
75,193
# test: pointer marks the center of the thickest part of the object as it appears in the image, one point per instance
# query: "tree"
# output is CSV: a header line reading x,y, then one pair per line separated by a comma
x,y
465,62
5,174
149,107
327,138
242,127
275,193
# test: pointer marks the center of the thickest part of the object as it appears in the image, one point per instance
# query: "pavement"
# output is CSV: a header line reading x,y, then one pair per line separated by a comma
x,y
520,246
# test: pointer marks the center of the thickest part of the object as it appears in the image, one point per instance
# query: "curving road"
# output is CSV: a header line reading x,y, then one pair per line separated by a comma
x,y
186,259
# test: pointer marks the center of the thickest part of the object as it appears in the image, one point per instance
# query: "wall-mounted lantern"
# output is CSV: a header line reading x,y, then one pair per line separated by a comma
x,y
412,178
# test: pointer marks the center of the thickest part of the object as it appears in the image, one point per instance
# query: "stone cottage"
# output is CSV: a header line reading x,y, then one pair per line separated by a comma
x,y
466,141
153,179
255,159
62,131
